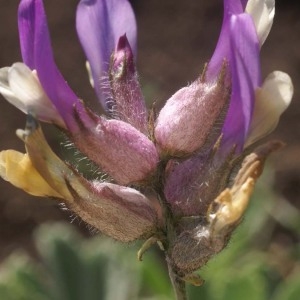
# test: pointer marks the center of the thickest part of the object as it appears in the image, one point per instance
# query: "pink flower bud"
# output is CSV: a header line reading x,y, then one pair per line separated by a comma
x,y
127,102
118,148
189,116
120,212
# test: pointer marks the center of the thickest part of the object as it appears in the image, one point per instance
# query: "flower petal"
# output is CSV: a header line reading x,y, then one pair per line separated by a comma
x,y
17,168
245,73
238,44
228,208
222,51
26,21
5,89
37,54
262,12
21,87
100,24
244,3
271,101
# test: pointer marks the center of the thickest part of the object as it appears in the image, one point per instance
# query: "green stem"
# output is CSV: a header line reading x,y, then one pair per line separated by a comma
x,y
179,286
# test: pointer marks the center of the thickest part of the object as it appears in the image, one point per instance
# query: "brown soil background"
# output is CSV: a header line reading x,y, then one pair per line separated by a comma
x,y
175,39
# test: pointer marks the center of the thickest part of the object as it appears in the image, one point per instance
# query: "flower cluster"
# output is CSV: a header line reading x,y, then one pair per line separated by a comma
x,y
182,178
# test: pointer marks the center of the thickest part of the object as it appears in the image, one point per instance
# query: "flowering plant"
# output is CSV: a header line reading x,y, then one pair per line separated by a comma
x,y
181,178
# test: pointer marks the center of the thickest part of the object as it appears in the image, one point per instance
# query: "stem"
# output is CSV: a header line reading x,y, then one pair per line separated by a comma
x,y
178,284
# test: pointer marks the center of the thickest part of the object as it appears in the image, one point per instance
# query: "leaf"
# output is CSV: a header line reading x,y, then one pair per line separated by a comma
x,y
289,289
198,292
155,276
19,280
247,286
87,269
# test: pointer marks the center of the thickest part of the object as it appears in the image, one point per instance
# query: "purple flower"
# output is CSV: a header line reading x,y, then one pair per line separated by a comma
x,y
100,25
170,178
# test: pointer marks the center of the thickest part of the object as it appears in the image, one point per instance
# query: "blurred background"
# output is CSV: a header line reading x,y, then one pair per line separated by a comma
x,y
175,39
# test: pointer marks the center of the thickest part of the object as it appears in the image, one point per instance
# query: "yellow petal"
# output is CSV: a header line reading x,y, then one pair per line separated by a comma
x,y
229,207
17,168
232,206
54,171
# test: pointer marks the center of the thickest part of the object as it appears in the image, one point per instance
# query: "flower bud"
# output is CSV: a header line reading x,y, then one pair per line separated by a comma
x,y
189,117
127,99
118,148
192,184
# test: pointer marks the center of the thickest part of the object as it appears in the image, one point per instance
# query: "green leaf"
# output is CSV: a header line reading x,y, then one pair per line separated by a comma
x,y
68,271
246,285
20,281
87,269
94,281
289,289
198,292
155,277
